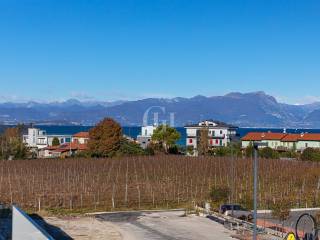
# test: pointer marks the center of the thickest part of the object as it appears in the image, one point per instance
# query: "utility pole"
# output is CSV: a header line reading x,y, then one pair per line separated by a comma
x,y
255,190
255,186
232,176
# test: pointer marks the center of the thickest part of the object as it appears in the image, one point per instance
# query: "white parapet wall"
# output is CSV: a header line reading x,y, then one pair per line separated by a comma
x,y
25,228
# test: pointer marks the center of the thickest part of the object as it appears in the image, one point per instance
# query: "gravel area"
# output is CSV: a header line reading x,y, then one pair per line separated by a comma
x,y
81,228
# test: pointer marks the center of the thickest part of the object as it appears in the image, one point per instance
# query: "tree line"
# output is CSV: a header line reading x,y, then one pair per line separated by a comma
x,y
106,140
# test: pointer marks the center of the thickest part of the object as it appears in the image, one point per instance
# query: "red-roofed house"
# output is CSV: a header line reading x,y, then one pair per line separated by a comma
x,y
306,140
290,141
273,140
283,141
64,150
81,137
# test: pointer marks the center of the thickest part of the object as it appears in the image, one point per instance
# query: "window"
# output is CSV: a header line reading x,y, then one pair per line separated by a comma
x,y
237,208
306,145
220,131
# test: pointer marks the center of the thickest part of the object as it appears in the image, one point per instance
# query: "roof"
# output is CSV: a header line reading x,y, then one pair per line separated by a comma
x,y
51,147
258,136
211,123
66,147
309,137
81,135
284,137
291,138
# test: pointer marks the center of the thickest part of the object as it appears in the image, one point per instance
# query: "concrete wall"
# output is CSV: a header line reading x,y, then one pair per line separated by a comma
x,y
24,228
246,144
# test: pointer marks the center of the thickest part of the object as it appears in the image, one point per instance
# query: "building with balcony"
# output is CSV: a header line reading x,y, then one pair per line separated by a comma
x,y
220,134
38,139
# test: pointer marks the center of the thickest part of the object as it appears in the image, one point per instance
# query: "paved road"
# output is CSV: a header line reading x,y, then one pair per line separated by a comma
x,y
166,226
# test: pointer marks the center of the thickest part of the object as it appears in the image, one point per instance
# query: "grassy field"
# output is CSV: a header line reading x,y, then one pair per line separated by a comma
x,y
83,185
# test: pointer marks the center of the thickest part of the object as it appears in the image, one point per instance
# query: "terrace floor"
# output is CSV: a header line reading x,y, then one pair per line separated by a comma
x,y
139,226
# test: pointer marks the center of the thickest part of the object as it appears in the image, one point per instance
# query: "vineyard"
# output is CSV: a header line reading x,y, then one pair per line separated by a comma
x,y
152,182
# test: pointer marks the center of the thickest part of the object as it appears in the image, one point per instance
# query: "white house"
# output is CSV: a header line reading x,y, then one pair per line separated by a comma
x,y
38,139
35,138
146,134
308,140
81,137
219,134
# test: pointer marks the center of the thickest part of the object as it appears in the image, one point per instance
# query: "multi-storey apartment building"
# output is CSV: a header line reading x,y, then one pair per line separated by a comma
x,y
219,134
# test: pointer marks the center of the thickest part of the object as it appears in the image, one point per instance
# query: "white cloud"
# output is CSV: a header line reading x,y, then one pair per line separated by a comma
x,y
11,98
308,100
81,96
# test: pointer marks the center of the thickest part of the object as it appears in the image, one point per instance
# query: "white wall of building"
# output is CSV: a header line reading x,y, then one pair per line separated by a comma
x,y
37,138
301,145
24,228
80,140
217,135
147,131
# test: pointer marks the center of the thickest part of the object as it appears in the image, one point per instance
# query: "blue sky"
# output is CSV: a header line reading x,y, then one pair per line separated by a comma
x,y
110,50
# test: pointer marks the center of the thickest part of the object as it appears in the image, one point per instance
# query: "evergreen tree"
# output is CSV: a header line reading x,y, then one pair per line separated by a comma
x,y
166,136
55,141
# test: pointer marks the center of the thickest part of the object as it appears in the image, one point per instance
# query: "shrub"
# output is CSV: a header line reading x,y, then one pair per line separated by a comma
x,y
247,201
221,151
219,194
268,152
310,154
233,149
289,154
249,151
173,149
149,151
281,210
190,150
128,148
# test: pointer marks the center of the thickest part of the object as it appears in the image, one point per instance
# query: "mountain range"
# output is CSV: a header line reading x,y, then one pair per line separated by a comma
x,y
255,109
